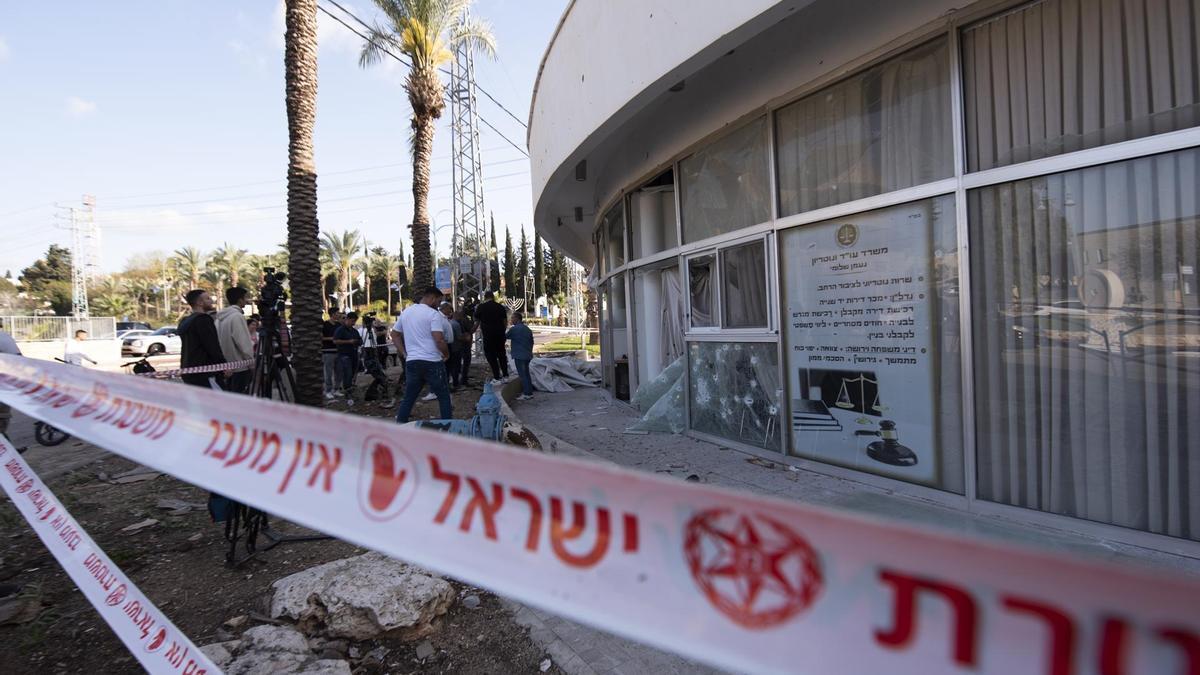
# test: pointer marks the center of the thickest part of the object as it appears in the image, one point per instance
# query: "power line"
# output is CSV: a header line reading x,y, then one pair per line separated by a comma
x,y
323,188
322,212
368,27
118,219
489,125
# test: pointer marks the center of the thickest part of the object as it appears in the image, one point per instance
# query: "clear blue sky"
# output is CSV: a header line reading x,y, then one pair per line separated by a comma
x,y
138,102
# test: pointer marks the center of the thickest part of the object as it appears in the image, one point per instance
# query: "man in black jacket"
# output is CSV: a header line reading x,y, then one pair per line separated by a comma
x,y
201,347
493,322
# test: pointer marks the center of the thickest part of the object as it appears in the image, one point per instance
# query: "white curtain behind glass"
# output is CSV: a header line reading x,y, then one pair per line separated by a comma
x,y
1062,75
882,130
672,318
744,286
1087,343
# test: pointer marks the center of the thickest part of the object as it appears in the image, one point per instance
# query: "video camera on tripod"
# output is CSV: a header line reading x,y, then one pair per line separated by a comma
x,y
271,296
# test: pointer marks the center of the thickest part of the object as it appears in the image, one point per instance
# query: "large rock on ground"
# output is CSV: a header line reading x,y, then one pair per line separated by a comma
x,y
267,650
362,598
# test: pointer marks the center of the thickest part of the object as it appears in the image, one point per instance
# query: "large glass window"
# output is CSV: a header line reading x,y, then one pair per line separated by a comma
x,y
884,129
1087,342
872,342
702,306
744,285
724,185
1062,75
735,391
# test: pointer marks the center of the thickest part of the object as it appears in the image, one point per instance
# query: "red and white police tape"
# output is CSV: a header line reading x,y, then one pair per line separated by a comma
x,y
745,582
150,636
194,370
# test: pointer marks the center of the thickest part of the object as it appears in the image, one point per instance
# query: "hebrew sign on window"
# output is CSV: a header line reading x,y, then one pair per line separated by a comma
x,y
862,330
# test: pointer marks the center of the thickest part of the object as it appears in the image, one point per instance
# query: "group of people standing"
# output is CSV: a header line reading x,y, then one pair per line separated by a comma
x,y
212,338
435,345
430,337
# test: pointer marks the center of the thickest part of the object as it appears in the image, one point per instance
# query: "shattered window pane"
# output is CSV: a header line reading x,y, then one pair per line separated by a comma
x,y
734,390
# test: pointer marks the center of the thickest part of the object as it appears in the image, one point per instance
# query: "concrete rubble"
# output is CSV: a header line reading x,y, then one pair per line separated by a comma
x,y
265,650
362,598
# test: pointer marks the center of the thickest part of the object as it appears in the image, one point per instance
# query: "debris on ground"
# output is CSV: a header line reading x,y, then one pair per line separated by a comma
x,y
362,598
178,507
765,463
135,475
140,525
272,649
19,604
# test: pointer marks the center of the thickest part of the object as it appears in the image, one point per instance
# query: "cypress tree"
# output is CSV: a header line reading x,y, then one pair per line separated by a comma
x,y
510,287
523,265
494,260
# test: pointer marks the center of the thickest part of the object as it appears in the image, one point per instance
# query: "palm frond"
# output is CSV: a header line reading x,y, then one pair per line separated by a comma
x,y
379,41
477,34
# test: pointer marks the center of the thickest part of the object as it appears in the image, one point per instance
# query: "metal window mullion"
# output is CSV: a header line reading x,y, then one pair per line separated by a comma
x,y
873,203
1081,159
962,231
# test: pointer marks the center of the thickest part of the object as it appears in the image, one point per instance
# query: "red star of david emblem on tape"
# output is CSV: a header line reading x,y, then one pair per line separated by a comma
x,y
754,569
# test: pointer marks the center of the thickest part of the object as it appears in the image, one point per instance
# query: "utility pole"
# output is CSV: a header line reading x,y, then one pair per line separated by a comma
x,y
79,299
467,168
85,253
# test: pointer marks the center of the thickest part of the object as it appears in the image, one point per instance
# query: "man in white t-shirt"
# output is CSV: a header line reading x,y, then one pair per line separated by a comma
x,y
421,340
74,353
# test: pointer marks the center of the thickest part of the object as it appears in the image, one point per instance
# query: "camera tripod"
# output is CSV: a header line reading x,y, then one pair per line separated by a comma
x,y
273,378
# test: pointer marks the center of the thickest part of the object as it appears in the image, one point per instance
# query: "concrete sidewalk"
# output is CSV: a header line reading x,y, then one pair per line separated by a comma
x,y
588,423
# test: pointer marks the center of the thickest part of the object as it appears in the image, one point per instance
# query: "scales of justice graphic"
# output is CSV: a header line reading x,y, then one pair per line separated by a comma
x,y
854,392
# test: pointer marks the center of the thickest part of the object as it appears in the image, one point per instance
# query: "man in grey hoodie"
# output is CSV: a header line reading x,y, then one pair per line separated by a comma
x,y
234,336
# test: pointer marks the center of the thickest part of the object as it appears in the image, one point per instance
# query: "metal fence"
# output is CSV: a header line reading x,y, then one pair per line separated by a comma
x,y
47,328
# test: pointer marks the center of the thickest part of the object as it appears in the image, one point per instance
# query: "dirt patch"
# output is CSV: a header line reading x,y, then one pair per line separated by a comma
x,y
179,563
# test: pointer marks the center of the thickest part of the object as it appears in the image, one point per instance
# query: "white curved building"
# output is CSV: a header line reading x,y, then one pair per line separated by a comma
x,y
943,245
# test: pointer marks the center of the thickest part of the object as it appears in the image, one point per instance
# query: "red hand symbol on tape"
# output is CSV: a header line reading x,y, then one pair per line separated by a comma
x,y
754,569
387,479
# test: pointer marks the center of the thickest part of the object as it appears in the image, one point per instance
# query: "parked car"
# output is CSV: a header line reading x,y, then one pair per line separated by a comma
x,y
162,341
133,325
133,332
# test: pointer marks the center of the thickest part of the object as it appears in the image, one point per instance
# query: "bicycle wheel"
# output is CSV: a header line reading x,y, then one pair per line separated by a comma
x,y
47,435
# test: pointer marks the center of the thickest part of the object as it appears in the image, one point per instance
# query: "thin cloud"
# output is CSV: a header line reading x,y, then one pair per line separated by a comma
x,y
78,107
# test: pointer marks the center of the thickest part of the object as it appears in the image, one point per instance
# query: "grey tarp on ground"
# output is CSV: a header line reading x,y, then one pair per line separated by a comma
x,y
563,373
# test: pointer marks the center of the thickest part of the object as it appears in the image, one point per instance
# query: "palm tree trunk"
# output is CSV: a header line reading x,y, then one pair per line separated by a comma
x,y
425,95
304,260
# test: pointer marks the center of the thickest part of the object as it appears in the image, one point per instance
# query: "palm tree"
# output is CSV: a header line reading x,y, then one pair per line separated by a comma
x,y
328,270
427,31
304,257
189,262
230,262
113,304
342,250
142,290
380,263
